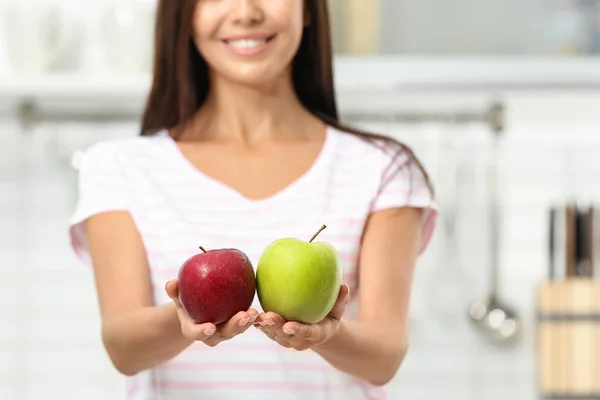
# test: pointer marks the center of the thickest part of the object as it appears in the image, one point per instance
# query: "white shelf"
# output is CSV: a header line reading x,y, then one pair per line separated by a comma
x,y
74,86
397,73
372,73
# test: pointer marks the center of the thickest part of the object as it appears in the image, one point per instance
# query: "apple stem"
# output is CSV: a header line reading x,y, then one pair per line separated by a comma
x,y
317,234
202,248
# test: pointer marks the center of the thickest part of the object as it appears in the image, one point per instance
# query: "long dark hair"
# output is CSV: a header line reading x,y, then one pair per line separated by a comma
x,y
181,81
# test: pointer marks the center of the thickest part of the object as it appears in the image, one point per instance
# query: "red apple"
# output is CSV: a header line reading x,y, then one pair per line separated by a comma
x,y
217,284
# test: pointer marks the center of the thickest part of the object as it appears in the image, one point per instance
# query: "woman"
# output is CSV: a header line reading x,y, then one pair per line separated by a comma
x,y
241,145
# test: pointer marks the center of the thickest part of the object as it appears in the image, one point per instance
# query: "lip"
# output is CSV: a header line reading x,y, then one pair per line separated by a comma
x,y
248,52
250,36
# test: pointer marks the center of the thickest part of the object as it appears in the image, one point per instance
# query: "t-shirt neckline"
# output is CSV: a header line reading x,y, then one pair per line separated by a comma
x,y
320,161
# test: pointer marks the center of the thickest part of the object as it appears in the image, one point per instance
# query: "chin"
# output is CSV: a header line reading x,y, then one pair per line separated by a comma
x,y
256,77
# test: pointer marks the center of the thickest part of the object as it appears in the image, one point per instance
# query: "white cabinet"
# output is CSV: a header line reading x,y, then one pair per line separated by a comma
x,y
462,27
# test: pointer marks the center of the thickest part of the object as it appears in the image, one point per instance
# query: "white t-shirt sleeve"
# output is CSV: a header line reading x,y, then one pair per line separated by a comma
x,y
101,188
404,184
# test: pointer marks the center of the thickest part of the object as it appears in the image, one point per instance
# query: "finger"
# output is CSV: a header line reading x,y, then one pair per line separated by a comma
x,y
200,332
250,323
270,331
172,289
271,334
271,319
266,330
253,314
301,331
184,317
282,342
340,304
236,325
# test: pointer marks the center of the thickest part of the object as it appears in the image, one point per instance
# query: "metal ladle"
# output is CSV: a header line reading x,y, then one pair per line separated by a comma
x,y
498,320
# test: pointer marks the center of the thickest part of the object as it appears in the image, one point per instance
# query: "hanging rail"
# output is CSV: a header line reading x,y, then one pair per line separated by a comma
x,y
31,115
494,116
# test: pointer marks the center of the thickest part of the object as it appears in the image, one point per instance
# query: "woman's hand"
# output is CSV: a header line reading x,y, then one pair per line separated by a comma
x,y
209,333
300,336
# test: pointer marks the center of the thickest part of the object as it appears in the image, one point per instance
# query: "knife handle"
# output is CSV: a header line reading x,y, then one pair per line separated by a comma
x,y
570,241
551,244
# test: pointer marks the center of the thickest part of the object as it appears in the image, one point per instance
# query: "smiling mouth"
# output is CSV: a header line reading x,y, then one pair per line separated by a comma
x,y
248,44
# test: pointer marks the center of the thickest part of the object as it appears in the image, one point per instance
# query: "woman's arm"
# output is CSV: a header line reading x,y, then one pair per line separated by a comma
x,y
374,346
136,334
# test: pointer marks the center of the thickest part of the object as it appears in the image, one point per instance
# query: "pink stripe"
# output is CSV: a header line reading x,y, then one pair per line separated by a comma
x,y
379,394
350,276
349,279
176,365
133,389
227,206
79,247
238,347
173,271
340,221
196,218
346,256
261,239
237,385
192,203
396,193
428,229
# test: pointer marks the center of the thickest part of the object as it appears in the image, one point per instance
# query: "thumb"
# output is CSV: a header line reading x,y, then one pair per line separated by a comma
x,y
172,289
340,304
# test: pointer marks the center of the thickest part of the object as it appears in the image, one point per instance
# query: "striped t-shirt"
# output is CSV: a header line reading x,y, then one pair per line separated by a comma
x,y
176,207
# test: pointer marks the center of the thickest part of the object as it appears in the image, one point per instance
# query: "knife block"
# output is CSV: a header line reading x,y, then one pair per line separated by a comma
x,y
568,339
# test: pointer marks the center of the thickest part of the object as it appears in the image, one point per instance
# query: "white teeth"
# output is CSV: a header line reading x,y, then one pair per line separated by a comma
x,y
246,43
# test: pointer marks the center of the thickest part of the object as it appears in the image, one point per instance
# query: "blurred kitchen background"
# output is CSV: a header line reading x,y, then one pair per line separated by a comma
x,y
500,99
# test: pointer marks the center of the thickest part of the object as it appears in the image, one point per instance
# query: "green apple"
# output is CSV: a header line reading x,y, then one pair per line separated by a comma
x,y
299,280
